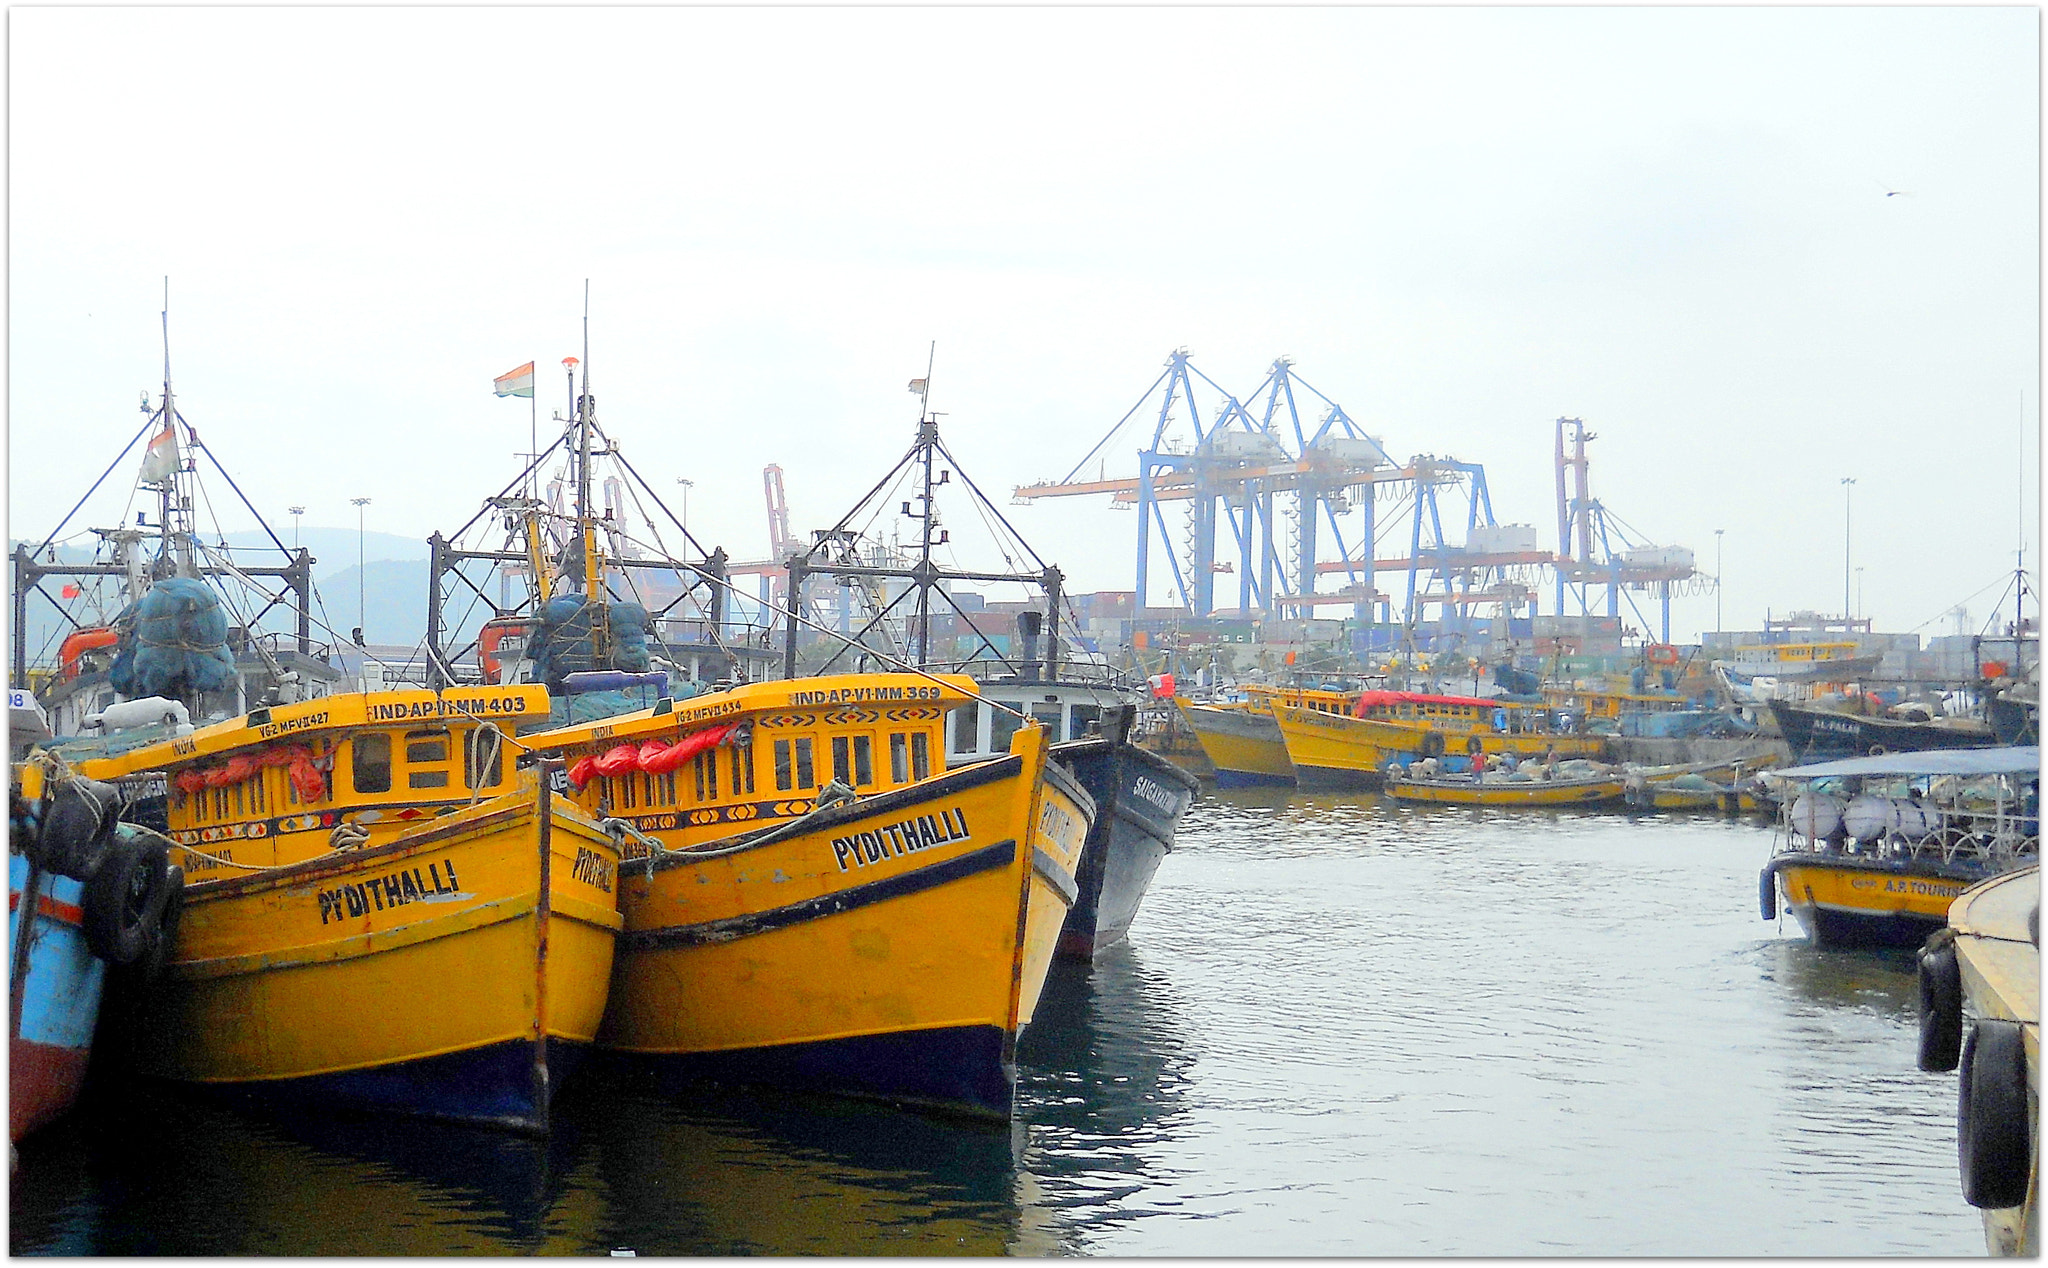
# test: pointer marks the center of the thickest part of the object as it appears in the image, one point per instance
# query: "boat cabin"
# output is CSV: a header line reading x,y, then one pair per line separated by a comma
x,y
690,769
273,786
1457,714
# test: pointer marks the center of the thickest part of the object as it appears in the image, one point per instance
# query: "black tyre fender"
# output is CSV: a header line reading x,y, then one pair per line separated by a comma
x,y
1767,893
164,935
124,901
1432,744
1941,1004
78,824
1993,1150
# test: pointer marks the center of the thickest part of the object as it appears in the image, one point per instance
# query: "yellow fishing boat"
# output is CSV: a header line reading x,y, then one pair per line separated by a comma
x,y
813,900
1532,792
1989,957
1241,738
1396,727
379,912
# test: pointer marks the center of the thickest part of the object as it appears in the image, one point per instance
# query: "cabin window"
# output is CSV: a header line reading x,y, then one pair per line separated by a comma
x,y
966,726
425,751
370,766
705,767
782,765
1002,724
1085,716
1048,716
625,789
920,755
841,766
668,788
742,770
863,761
241,807
493,771
220,803
899,758
806,776
256,792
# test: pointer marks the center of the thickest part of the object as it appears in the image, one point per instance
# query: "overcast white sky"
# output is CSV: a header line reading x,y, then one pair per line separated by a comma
x,y
1459,223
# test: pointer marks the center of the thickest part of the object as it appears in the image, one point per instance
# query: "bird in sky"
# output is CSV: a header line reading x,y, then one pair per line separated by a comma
x,y
1889,192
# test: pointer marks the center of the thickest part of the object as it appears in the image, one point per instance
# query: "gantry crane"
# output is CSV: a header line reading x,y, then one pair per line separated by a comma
x,y
1233,461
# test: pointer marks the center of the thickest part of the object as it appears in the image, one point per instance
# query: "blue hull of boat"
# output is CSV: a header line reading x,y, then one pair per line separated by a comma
x,y
965,1070
1139,800
58,1002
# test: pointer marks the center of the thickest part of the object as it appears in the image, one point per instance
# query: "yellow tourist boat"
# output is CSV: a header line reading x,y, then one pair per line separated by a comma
x,y
1530,792
813,900
1242,739
1989,957
379,913
1395,727
1873,850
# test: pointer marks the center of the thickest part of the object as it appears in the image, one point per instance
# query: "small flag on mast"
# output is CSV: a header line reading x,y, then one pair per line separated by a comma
x,y
161,462
517,382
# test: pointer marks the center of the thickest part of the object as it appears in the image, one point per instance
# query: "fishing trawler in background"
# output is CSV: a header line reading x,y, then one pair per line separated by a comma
x,y
1241,737
1393,729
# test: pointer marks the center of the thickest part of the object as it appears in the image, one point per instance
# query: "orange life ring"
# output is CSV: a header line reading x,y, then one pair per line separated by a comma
x,y
1662,654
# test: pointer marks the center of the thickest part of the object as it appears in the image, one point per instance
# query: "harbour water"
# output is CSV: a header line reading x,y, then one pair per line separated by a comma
x,y
1341,1027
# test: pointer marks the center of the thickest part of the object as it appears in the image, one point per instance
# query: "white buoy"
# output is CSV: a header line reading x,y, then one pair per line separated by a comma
x,y
1816,815
1867,817
1914,820
148,711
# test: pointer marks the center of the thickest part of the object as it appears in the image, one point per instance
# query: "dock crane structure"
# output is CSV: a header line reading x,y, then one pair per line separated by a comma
x,y
1594,548
1236,457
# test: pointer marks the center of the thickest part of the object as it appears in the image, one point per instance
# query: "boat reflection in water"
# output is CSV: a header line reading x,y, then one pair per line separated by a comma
x,y
661,1170
286,1182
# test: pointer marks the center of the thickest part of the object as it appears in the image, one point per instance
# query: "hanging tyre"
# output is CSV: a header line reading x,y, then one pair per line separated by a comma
x,y
163,936
1432,744
124,901
1992,1146
1941,1004
1767,893
78,824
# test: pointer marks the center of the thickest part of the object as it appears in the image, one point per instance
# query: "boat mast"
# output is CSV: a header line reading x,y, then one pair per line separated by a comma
x,y
927,440
593,560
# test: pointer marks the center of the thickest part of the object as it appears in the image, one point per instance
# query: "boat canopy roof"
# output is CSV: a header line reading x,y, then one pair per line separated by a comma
x,y
1370,699
857,693
2017,760
302,720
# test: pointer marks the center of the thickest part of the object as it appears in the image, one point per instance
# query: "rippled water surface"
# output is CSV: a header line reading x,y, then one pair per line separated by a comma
x,y
1341,1027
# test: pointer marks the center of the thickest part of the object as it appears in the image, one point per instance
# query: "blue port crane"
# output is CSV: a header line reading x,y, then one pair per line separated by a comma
x,y
1230,462
1233,461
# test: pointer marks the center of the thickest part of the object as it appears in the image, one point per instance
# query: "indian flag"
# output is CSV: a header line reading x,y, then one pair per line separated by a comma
x,y
162,461
517,382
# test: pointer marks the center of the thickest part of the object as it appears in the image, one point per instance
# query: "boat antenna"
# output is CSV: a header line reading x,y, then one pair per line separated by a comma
x,y
169,496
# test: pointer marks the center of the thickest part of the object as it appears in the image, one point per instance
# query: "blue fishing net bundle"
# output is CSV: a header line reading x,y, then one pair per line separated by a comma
x,y
561,646
173,642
